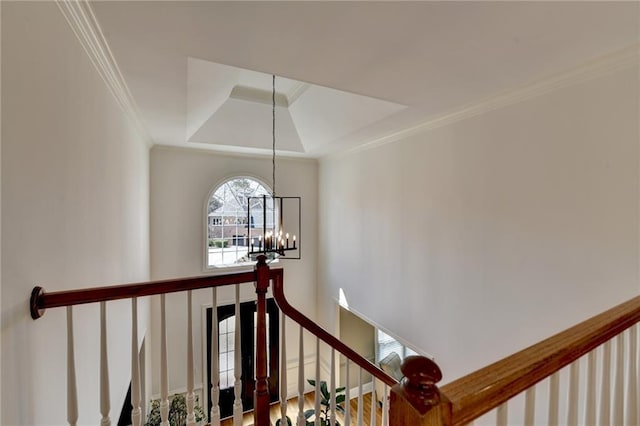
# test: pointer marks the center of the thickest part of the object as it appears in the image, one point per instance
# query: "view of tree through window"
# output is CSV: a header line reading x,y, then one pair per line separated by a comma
x,y
228,224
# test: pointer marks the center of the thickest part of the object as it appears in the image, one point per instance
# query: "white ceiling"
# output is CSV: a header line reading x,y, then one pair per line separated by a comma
x,y
349,72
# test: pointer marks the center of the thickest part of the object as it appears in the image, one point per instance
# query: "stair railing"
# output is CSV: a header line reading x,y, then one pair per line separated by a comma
x,y
260,277
336,347
606,398
605,345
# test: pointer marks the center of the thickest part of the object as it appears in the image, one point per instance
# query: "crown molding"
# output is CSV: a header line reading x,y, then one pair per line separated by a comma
x,y
297,91
225,151
252,94
86,28
618,60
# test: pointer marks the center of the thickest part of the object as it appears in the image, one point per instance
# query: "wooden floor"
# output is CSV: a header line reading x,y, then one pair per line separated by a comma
x,y
292,412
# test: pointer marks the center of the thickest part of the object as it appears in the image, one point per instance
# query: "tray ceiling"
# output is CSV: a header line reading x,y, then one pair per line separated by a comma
x,y
350,72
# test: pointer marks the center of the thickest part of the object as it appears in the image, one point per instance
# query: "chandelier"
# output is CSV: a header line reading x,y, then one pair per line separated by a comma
x,y
269,233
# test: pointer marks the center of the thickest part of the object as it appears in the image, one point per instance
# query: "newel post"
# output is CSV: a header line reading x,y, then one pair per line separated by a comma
x,y
261,393
416,400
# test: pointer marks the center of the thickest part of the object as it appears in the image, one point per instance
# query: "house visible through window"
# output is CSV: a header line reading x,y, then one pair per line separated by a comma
x,y
228,224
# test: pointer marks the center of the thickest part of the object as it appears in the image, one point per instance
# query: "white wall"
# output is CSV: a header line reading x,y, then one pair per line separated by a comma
x,y
0,202
75,214
181,181
479,238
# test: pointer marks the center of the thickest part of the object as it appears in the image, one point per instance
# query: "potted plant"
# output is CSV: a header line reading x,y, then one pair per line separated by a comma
x,y
177,411
325,401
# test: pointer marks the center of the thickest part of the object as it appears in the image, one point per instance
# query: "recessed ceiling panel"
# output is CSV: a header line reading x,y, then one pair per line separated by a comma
x,y
323,115
248,124
208,87
232,106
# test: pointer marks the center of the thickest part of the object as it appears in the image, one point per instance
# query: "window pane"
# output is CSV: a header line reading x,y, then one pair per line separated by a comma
x,y
227,229
388,345
226,351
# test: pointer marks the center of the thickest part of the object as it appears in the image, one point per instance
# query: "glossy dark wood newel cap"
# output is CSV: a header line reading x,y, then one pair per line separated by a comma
x,y
419,383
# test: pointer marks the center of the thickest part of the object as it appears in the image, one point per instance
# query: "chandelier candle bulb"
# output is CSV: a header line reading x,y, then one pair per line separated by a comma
x,y
287,239
294,241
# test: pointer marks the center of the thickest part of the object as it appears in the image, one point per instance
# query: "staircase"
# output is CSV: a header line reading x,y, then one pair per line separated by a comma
x,y
505,392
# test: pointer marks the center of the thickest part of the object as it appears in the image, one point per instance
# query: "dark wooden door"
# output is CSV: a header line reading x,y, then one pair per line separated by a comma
x,y
226,330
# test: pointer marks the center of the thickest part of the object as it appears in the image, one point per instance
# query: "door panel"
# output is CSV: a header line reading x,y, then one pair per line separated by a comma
x,y
226,330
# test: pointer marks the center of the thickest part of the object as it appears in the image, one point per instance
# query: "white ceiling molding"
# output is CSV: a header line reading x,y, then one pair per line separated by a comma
x,y
615,61
233,152
297,91
239,150
86,28
253,94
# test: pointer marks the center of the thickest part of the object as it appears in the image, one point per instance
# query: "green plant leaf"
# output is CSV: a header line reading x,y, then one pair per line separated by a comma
x,y
309,413
340,408
324,391
311,382
340,399
280,420
338,390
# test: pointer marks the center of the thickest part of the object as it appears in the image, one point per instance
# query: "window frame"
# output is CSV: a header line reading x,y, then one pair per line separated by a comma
x,y
219,269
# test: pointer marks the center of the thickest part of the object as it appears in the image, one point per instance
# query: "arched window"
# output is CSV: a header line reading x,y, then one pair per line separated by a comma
x,y
227,221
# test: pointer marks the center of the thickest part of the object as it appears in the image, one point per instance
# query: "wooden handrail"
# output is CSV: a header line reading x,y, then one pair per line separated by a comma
x,y
40,300
483,390
262,275
313,328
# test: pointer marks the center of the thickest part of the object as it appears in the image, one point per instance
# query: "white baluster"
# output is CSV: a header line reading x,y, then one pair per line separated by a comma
x,y
605,392
502,414
360,400
72,390
529,406
374,402
164,382
632,382
191,419
316,404
347,396
136,412
332,387
572,409
237,365
554,390
301,419
590,403
105,404
283,373
385,407
618,390
215,358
